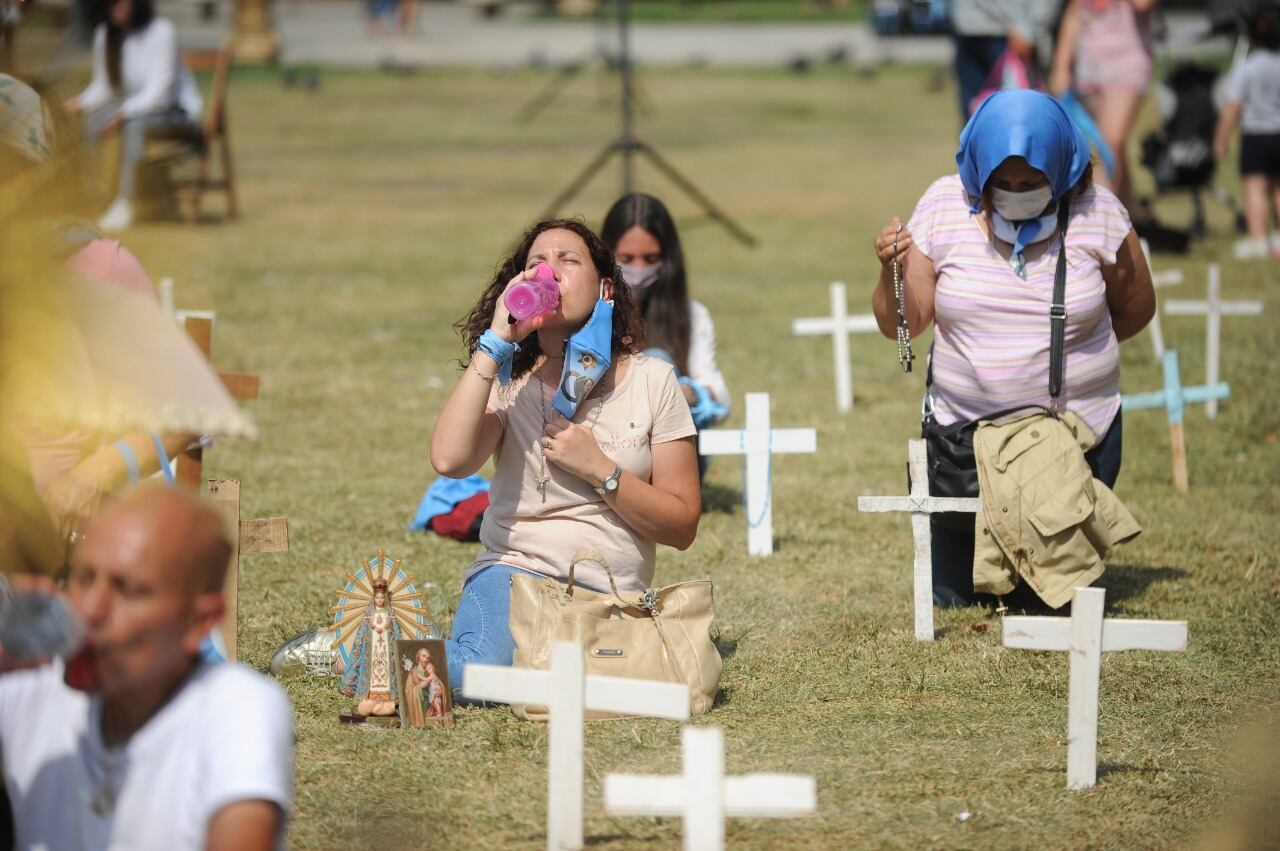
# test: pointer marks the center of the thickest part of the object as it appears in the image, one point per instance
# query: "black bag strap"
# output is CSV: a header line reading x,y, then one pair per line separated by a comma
x,y
1058,310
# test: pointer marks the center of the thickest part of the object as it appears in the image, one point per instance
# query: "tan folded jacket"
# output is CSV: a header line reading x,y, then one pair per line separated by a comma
x,y
1045,519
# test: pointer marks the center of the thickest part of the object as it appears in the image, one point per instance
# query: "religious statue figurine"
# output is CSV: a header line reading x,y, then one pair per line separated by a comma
x,y
370,678
377,607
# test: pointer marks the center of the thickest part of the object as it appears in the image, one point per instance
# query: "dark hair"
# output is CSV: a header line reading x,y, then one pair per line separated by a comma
x,y
140,17
665,304
628,328
1264,27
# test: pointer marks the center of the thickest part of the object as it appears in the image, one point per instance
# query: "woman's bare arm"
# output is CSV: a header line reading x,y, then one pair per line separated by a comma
x,y
1131,297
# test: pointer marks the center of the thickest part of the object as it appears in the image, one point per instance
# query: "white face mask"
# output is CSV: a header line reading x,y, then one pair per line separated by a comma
x,y
1021,206
1008,231
640,277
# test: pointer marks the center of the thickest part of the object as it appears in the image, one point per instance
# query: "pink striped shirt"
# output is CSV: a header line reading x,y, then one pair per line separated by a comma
x,y
991,346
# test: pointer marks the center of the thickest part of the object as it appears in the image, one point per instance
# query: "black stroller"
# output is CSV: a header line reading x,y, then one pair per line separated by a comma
x,y
1180,153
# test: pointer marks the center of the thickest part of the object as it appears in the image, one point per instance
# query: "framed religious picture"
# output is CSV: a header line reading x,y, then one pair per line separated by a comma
x,y
424,683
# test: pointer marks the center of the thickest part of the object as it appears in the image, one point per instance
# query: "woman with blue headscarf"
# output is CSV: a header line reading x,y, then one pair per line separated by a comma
x,y
979,259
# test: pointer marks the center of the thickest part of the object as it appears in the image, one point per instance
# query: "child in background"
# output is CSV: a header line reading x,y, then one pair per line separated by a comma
x,y
1253,102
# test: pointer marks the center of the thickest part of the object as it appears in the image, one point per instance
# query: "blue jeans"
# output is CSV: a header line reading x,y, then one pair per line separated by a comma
x,y
953,547
481,630
170,122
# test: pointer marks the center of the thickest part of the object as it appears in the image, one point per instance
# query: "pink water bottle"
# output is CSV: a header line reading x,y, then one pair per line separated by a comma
x,y
528,299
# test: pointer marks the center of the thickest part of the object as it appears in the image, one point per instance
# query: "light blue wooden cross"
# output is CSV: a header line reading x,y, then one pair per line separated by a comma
x,y
1174,398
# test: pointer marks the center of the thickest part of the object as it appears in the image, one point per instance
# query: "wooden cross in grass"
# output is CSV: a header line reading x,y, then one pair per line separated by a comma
x,y
568,692
242,386
921,505
180,316
1213,308
1163,278
759,444
839,325
1173,398
1086,635
704,797
268,535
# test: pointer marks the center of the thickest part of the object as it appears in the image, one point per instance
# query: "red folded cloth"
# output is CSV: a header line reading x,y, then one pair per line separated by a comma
x,y
463,522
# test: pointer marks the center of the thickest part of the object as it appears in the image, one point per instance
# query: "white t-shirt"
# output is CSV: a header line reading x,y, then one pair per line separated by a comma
x,y
226,736
151,70
1255,83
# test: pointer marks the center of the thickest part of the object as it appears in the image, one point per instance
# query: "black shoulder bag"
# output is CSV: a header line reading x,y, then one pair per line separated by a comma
x,y
953,471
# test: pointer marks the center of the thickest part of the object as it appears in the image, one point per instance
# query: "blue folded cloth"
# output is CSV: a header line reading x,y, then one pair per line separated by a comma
x,y
443,494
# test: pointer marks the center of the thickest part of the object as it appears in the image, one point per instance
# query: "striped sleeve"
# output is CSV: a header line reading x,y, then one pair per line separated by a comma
x,y
931,214
1102,226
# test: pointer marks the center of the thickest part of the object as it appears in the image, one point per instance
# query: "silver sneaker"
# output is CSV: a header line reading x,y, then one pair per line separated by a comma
x,y
314,652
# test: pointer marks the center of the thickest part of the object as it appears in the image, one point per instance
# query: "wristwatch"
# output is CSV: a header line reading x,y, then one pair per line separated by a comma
x,y
610,484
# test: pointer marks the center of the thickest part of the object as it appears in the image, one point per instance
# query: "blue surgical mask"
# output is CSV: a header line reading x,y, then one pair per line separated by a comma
x,y
586,359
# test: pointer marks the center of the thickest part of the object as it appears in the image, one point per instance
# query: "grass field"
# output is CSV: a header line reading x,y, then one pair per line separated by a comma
x,y
376,208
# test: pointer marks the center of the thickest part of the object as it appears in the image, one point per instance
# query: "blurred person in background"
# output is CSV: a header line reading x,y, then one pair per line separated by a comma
x,y
1253,103
984,29
1105,54
139,88
678,329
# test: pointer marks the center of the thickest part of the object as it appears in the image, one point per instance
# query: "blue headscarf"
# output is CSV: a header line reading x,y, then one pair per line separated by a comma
x,y
1021,123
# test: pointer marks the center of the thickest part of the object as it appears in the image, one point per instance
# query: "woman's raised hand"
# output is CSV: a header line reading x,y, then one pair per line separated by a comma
x,y
885,239
514,332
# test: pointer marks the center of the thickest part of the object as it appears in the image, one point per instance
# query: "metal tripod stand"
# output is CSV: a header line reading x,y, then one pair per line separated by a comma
x,y
627,145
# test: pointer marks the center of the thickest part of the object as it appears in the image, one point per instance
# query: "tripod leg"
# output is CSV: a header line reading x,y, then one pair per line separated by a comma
x,y
547,95
581,180
696,194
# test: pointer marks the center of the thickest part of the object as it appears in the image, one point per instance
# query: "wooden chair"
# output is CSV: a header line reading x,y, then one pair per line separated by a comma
x,y
215,132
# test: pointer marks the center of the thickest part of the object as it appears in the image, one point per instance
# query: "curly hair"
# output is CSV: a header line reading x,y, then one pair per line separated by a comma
x,y
628,327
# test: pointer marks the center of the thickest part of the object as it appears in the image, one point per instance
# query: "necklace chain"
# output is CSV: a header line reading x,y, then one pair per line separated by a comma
x,y
905,355
543,404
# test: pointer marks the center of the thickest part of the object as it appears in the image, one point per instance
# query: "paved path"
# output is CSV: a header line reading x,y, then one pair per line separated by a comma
x,y
456,34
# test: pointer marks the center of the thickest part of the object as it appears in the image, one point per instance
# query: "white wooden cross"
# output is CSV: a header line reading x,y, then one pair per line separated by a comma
x,y
567,693
180,316
1086,636
704,797
839,325
1213,308
921,505
759,444
1159,280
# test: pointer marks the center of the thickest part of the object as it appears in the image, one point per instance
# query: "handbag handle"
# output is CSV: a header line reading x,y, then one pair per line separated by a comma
x,y
647,601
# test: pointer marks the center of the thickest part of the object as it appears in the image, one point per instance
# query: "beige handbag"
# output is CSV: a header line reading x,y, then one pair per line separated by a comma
x,y
665,635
